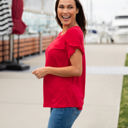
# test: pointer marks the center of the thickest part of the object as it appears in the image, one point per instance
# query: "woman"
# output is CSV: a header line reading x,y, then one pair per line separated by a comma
x,y
64,71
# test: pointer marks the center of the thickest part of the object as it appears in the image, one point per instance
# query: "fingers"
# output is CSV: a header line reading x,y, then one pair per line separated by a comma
x,y
37,74
33,72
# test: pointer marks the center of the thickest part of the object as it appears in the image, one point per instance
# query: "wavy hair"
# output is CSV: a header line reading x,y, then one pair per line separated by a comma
x,y
80,17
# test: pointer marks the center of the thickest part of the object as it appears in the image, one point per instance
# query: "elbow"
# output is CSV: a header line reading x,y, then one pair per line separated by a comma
x,y
78,72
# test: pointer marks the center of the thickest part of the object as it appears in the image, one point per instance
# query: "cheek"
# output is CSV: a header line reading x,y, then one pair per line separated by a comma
x,y
73,13
73,17
59,13
59,16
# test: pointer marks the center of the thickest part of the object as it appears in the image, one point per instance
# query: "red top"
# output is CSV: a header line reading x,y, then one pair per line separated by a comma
x,y
60,92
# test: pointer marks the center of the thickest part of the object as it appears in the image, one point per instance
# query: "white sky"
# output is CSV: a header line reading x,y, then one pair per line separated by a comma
x,y
104,10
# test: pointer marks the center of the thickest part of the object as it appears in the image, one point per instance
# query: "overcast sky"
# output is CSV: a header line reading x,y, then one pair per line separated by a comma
x,y
104,10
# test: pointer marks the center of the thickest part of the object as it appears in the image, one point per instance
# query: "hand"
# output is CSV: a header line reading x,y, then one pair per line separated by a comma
x,y
40,72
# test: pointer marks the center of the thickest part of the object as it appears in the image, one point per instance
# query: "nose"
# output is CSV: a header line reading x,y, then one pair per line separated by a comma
x,y
65,10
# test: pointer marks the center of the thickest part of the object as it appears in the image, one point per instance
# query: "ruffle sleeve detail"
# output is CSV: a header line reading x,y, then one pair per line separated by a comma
x,y
74,40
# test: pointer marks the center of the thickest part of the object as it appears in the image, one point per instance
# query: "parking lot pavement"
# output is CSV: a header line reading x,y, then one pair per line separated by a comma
x,y
21,93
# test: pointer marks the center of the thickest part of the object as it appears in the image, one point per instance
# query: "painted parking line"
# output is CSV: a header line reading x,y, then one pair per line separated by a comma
x,y
107,70
97,70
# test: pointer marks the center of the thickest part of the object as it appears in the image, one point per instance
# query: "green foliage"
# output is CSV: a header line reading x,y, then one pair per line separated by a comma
x,y
126,62
123,116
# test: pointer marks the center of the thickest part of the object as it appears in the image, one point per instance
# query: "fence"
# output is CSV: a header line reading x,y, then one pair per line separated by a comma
x,y
15,47
22,46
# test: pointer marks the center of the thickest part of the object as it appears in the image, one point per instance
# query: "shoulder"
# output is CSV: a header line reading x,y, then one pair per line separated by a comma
x,y
75,30
74,33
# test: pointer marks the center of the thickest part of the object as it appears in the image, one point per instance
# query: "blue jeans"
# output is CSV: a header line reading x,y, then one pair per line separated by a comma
x,y
63,117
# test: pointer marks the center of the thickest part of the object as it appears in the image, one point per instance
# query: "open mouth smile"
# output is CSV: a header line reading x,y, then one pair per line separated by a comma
x,y
66,17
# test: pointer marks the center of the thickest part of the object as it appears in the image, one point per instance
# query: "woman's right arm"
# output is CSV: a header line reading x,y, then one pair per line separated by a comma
x,y
69,71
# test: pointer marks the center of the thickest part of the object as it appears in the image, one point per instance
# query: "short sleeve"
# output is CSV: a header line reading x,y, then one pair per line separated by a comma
x,y
74,40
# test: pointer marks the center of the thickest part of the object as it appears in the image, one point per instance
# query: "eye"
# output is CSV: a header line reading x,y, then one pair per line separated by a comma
x,y
70,6
60,6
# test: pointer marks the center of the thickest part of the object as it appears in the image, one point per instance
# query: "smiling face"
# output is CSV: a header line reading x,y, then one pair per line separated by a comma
x,y
66,12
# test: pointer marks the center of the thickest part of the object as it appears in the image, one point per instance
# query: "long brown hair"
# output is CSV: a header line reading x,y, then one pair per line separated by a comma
x,y
80,17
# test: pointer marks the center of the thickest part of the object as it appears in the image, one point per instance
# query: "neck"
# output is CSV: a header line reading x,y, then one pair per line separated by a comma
x,y
65,28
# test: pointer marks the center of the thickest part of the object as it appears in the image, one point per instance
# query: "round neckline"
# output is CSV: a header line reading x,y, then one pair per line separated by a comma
x,y
60,34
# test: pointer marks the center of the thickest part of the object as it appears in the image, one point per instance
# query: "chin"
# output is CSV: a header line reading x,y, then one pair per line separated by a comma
x,y
67,25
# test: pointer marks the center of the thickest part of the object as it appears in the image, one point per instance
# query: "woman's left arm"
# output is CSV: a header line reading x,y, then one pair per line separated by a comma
x,y
74,70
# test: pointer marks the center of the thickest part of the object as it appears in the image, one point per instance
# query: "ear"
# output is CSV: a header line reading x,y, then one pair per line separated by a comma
x,y
77,11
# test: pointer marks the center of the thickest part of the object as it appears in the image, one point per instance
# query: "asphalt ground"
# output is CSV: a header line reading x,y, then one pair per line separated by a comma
x,y
21,93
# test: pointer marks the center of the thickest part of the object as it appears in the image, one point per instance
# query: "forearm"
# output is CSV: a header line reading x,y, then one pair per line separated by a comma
x,y
68,71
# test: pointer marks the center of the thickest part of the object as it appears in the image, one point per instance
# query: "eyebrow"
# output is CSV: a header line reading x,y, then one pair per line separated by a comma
x,y
66,5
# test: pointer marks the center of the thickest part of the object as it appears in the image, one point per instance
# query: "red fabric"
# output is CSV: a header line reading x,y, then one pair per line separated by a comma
x,y
17,11
64,91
